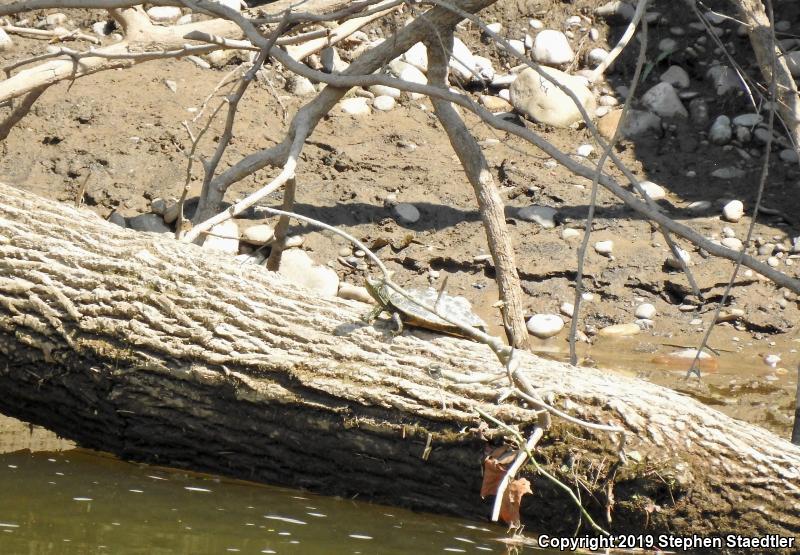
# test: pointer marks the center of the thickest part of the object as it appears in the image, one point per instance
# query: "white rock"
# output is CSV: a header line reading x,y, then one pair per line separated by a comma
x,y
235,5
354,293
664,101
646,311
567,309
552,47
462,62
773,261
299,85
570,233
619,330
542,215
495,27
223,237
484,68
528,41
653,190
517,46
539,99
608,100
383,90
417,56
594,34
747,120
259,234
535,24
5,41
545,325
405,212
720,132
298,268
357,106
604,247
505,94
728,172
331,62
596,56
504,80
413,75
164,14
158,206
732,243
573,21
733,211
676,76
728,231
100,28
57,19
685,256
494,103
383,103
584,150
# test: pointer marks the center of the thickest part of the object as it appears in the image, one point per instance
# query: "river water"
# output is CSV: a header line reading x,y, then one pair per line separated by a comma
x,y
62,500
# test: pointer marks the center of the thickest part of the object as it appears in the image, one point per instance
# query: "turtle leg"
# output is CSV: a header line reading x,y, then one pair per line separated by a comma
x,y
373,314
398,322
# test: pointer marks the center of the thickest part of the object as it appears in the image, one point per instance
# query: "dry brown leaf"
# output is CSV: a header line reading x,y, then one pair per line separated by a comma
x,y
509,508
494,468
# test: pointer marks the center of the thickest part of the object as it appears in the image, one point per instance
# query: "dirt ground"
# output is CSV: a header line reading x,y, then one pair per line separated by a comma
x,y
121,133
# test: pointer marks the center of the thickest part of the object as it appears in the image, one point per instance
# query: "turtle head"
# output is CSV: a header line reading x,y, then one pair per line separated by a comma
x,y
377,290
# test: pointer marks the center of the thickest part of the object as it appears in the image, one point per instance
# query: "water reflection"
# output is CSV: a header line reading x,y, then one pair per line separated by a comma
x,y
81,502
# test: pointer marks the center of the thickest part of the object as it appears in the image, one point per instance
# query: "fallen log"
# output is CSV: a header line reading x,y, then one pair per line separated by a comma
x,y
158,351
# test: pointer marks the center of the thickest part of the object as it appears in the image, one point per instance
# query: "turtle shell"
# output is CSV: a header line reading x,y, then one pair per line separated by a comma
x,y
456,308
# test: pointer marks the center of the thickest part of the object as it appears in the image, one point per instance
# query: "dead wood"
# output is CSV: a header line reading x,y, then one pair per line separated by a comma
x,y
142,346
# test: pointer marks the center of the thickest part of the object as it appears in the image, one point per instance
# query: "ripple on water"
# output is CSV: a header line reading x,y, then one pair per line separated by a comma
x,y
193,488
285,519
82,499
360,537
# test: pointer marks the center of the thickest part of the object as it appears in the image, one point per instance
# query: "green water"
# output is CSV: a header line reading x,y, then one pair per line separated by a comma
x,y
77,501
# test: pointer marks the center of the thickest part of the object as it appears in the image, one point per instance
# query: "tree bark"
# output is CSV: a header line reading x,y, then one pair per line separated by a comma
x,y
157,351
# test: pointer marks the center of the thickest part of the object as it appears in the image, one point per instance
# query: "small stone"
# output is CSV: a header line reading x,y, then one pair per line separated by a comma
x,y
57,19
619,330
773,261
357,106
646,311
699,206
653,190
552,47
720,132
733,211
495,104
535,24
5,41
298,268
164,14
728,172
383,90
294,241
638,123
383,103
596,56
517,46
260,234
673,263
747,120
117,219
158,206
407,213
149,223
608,100
417,56
570,233
698,111
789,156
542,215
732,243
676,76
413,75
667,45
223,237
604,247
584,150
100,28
171,85
545,325
354,293
495,27
299,85
724,78
728,232
663,100
567,309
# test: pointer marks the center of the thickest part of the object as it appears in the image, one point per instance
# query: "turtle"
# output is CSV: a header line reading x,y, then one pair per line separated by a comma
x,y
404,311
